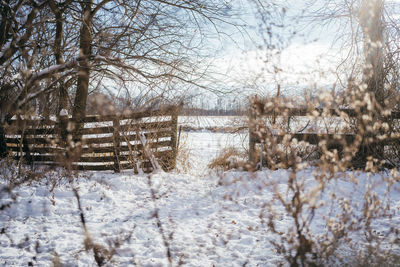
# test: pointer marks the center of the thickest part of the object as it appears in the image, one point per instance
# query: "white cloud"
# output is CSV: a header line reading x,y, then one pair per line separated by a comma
x,y
301,65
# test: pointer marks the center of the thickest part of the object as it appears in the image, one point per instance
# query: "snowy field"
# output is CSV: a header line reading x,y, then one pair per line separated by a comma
x,y
203,217
231,124
213,123
209,121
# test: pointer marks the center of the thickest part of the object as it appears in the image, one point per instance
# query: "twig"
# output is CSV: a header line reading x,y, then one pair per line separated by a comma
x,y
98,251
159,223
305,127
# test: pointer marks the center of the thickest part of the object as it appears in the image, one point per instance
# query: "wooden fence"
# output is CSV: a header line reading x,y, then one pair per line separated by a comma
x,y
107,142
336,139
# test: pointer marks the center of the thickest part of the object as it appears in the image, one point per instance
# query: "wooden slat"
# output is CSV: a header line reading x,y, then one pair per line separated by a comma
x,y
103,159
33,141
52,161
305,112
148,126
102,167
107,149
31,131
153,135
13,140
124,137
40,123
136,147
55,158
98,159
98,140
39,150
81,167
110,159
168,111
314,139
41,131
139,147
94,167
40,158
97,130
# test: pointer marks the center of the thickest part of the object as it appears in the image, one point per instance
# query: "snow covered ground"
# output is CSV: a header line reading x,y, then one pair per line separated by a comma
x,y
205,146
205,218
206,229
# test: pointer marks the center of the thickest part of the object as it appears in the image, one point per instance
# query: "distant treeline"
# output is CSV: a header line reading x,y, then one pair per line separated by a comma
x,y
212,112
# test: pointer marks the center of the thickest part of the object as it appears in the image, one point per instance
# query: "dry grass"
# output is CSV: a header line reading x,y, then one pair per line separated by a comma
x,y
228,158
183,161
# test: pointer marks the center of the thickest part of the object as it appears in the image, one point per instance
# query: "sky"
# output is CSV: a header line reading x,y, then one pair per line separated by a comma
x,y
300,59
307,59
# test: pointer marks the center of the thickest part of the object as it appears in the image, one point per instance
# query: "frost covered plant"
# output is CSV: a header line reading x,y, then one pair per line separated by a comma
x,y
319,219
9,179
337,216
12,176
346,224
101,254
296,244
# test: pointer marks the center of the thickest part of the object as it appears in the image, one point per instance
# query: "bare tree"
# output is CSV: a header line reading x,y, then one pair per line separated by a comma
x,y
153,43
365,32
18,22
50,45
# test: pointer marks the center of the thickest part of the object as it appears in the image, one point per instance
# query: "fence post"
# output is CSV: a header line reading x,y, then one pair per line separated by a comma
x,y
174,137
252,140
3,142
117,144
25,148
23,144
65,156
63,120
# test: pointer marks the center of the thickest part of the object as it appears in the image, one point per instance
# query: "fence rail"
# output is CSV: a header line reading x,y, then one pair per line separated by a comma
x,y
337,139
110,142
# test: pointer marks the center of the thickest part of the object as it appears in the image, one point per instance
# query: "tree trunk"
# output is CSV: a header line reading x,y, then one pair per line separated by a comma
x,y
371,21
62,90
79,108
373,29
